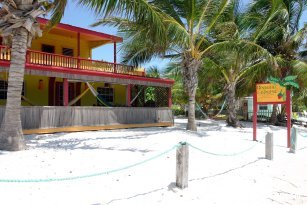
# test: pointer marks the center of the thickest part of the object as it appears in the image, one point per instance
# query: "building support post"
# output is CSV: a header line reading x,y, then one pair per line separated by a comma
x,y
115,60
128,95
170,97
65,91
78,51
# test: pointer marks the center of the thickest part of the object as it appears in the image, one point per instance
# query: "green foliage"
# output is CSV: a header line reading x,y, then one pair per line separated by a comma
x,y
178,110
288,81
150,94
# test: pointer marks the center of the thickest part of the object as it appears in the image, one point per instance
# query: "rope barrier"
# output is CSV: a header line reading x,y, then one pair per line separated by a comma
x,y
222,155
88,175
122,168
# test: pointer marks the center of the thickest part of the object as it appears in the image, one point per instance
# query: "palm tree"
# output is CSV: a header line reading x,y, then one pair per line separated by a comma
x,y
240,63
18,26
166,28
281,37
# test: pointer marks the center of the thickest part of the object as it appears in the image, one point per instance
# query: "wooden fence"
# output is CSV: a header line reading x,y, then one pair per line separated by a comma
x,y
43,117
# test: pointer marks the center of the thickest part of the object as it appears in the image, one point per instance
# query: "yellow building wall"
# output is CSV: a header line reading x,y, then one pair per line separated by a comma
x,y
59,42
119,95
37,95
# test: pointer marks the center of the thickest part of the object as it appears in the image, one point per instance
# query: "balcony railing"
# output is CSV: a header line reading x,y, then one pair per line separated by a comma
x,y
55,60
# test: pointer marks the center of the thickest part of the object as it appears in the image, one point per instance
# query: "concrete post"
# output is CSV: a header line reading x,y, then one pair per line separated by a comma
x,y
182,166
269,146
293,140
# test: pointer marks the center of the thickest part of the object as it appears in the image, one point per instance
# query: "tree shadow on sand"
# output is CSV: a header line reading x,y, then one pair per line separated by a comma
x,y
56,141
172,186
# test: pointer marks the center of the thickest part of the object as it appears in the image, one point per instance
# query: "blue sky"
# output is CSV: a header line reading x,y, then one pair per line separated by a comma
x,y
82,17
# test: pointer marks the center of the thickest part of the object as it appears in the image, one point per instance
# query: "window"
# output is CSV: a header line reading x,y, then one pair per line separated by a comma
x,y
67,51
3,89
107,94
47,48
263,107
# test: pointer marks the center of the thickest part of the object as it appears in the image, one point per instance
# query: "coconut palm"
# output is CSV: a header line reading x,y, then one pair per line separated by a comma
x,y
161,28
18,26
282,37
240,63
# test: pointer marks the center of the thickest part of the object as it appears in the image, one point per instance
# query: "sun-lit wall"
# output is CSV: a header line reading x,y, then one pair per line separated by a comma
x,y
60,42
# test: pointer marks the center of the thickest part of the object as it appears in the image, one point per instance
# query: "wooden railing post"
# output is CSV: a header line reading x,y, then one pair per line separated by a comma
x,y
78,62
182,165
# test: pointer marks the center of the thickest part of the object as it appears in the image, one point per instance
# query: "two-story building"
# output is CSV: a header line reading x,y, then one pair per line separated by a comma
x,y
62,81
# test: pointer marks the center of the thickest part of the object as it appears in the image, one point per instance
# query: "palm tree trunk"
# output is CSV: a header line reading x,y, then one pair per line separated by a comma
x,y
231,101
273,119
11,136
190,67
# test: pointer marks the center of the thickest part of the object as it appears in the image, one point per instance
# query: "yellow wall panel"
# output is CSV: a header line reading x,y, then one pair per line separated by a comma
x,y
35,95
60,42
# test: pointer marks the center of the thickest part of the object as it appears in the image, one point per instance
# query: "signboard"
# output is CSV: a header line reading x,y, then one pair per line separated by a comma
x,y
270,93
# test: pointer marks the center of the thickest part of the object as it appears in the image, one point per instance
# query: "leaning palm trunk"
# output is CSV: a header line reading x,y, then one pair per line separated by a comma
x,y
273,119
18,26
190,67
231,101
11,137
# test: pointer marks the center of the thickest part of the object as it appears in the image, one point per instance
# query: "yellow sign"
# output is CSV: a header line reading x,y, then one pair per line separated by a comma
x,y
270,93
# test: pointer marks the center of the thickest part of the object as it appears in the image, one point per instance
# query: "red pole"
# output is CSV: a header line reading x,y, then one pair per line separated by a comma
x,y
65,93
78,51
288,110
128,92
115,57
169,97
255,109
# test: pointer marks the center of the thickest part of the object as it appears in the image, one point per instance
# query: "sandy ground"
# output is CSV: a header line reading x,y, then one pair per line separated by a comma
x,y
246,178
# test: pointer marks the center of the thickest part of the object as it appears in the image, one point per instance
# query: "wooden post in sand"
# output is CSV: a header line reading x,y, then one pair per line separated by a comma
x,y
182,166
269,146
293,140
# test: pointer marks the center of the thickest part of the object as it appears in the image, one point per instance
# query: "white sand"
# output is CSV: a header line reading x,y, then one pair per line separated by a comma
x,y
247,178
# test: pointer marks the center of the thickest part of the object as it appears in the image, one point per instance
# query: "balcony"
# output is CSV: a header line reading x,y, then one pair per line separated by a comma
x,y
60,61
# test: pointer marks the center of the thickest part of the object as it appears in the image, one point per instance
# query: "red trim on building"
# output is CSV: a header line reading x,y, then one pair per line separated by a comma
x,y
82,30
128,98
169,97
97,73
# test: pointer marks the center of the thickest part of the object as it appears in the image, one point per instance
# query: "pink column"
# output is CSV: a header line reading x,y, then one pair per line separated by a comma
x,y
115,57
128,95
65,91
170,97
288,110
255,109
78,51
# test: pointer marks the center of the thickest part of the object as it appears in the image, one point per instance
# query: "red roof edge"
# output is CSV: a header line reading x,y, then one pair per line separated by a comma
x,y
82,30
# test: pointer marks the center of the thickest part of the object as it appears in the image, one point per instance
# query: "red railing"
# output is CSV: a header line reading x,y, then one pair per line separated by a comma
x,y
5,53
55,60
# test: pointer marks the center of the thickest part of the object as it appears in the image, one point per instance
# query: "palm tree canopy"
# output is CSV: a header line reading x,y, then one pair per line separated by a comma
x,y
23,13
162,28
